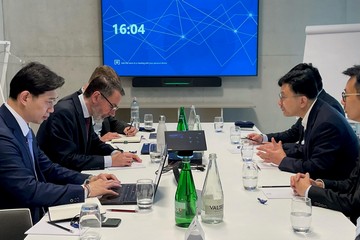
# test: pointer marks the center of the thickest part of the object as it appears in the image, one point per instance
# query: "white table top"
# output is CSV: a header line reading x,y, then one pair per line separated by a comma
x,y
244,216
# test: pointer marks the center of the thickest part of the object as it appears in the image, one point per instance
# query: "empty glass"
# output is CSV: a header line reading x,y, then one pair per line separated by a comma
x,y
300,215
90,222
250,175
144,193
218,124
148,121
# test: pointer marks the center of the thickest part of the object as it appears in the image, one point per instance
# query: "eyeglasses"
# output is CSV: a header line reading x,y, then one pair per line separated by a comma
x,y
344,95
113,107
282,97
74,222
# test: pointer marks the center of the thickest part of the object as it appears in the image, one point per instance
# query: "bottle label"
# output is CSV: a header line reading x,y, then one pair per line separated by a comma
x,y
213,207
180,209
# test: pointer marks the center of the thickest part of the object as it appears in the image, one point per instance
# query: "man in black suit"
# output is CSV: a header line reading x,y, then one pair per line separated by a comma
x,y
109,128
69,139
296,132
341,195
330,146
28,178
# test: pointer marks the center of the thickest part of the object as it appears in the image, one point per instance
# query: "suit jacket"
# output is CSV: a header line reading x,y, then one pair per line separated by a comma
x,y
64,138
20,187
331,147
111,124
296,132
341,196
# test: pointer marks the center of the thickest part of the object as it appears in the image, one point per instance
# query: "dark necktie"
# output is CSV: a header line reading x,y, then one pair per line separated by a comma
x,y
29,140
87,122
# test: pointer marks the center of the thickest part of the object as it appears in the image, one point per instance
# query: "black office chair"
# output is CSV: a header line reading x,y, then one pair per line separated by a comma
x,y
14,223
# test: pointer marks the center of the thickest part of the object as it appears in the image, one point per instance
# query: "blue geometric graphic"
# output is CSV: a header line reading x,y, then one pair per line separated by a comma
x,y
180,37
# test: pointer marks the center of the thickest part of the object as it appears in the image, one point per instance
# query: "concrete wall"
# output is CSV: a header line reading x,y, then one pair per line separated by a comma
x,y
66,36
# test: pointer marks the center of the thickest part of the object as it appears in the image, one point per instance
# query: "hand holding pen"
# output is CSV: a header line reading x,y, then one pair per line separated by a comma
x,y
130,130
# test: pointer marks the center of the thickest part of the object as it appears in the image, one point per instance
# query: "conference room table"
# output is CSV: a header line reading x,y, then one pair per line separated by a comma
x,y
244,216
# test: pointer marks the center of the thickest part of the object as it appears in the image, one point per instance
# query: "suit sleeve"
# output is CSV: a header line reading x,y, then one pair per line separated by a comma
x,y
291,135
61,138
322,153
20,185
117,125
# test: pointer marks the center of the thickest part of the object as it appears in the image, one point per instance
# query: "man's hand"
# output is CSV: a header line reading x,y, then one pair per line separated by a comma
x,y
255,137
272,152
109,136
124,159
300,183
104,176
130,131
101,187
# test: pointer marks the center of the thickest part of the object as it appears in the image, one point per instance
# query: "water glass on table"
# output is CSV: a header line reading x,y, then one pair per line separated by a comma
x,y
247,151
250,175
144,193
155,152
90,222
148,121
235,134
218,124
300,215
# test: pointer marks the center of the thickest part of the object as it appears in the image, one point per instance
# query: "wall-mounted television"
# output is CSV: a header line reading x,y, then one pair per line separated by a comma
x,y
180,38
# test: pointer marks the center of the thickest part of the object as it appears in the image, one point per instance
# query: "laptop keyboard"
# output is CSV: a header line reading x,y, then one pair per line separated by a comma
x,y
128,192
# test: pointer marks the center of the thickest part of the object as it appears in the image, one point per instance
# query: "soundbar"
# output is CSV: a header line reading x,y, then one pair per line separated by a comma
x,y
176,82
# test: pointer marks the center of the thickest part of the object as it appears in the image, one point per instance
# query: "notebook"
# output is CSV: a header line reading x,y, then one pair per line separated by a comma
x,y
127,191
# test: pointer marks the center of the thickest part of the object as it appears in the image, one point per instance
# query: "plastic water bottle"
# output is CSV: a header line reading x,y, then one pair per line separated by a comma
x,y
134,109
192,117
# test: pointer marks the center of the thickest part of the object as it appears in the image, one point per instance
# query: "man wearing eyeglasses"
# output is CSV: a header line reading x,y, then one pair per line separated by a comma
x,y
330,146
292,137
68,137
342,195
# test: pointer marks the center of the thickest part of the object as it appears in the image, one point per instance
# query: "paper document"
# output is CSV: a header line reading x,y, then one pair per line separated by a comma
x,y
134,165
126,139
280,192
68,211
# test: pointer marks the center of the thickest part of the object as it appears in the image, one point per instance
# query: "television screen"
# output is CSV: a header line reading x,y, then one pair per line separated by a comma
x,y
180,37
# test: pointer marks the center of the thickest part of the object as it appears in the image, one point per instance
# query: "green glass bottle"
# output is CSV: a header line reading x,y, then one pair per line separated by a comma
x,y
185,197
182,124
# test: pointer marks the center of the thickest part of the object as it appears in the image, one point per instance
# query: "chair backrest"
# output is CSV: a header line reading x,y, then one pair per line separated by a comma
x,y
14,223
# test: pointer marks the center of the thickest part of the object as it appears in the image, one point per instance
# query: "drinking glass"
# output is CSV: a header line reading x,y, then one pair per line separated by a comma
x,y
235,134
247,151
144,193
155,152
148,121
90,222
300,215
218,124
250,175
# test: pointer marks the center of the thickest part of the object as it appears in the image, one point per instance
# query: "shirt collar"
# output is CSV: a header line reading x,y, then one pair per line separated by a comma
x,y
22,123
83,106
306,117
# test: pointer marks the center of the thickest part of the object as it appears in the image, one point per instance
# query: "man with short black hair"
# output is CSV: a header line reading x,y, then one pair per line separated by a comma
x,y
330,145
28,178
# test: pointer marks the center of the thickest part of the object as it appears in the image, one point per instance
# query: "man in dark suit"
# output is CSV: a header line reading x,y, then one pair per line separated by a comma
x,y
296,132
109,127
341,195
28,178
68,139
330,145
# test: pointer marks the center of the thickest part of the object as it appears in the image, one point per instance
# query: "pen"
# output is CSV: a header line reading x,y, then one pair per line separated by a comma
x,y
122,210
59,226
275,186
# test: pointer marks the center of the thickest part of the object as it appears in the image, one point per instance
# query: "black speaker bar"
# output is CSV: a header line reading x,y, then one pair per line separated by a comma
x,y
176,82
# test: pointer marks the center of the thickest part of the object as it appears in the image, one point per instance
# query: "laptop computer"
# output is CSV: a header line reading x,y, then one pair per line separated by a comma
x,y
127,191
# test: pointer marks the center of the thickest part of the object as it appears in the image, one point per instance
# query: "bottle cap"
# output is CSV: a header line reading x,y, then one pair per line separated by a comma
x,y
162,118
